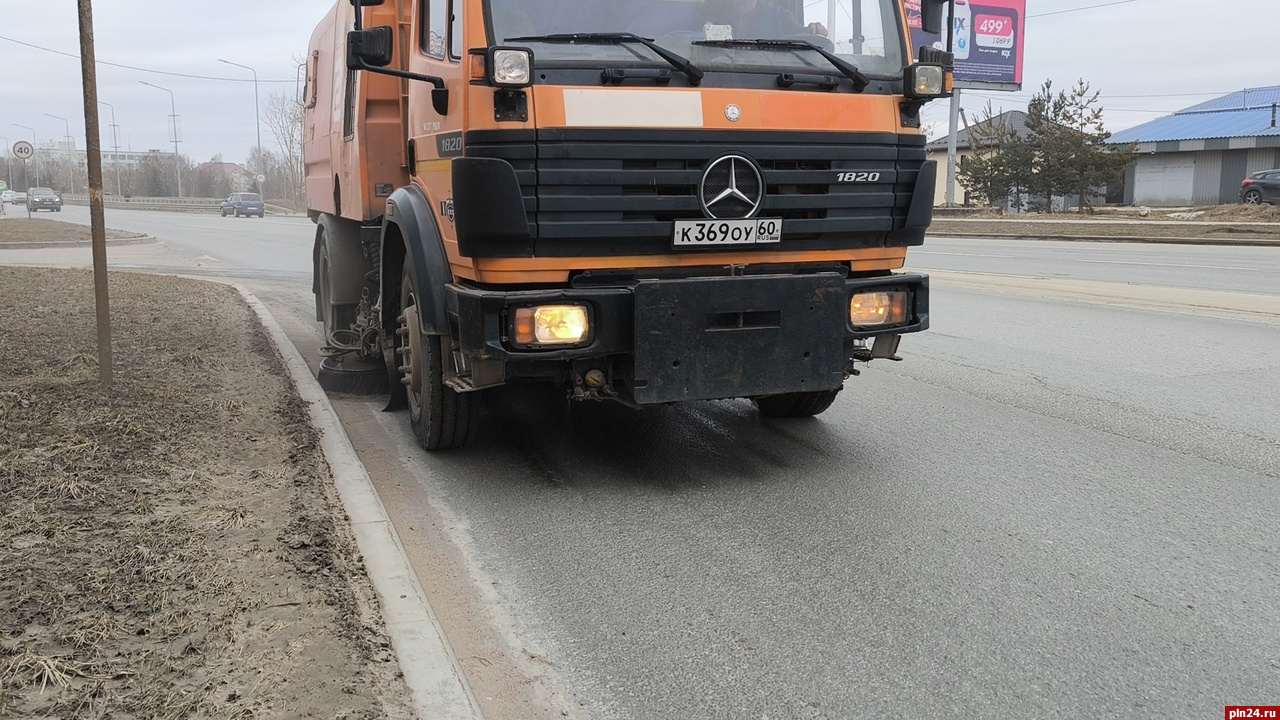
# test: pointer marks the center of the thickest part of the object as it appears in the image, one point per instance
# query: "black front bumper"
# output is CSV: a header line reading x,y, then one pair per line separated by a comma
x,y
667,340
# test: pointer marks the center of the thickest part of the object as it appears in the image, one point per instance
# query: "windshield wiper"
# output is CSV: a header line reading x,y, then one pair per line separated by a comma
x,y
677,62
846,68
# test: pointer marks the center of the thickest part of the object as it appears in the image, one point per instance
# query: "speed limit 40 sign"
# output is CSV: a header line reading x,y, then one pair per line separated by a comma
x,y
23,150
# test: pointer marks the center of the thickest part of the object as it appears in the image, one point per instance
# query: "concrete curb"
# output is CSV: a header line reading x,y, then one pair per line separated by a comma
x,y
1236,242
142,240
431,670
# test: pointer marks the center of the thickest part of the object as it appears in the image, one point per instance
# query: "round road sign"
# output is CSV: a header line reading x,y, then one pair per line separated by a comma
x,y
262,178
23,150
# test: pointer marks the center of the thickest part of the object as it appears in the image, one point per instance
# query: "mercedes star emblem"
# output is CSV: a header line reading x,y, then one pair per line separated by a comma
x,y
732,188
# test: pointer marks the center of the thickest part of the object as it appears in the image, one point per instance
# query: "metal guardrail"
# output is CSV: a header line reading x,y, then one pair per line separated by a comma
x,y
171,204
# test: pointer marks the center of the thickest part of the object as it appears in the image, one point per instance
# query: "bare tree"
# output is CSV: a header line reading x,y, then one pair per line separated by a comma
x,y
284,116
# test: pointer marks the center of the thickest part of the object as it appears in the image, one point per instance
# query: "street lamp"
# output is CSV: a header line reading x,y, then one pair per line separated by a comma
x,y
177,161
72,166
115,144
24,165
8,166
257,118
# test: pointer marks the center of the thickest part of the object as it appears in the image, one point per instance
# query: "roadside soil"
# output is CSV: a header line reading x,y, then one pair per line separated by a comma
x,y
170,547
1222,222
15,229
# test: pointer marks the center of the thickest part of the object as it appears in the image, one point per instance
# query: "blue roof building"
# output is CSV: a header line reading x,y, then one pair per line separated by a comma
x,y
1200,155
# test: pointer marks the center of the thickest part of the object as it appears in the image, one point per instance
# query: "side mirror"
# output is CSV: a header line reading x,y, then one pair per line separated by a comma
x,y
931,12
371,46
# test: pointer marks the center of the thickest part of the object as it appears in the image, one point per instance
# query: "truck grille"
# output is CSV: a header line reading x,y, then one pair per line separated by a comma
x,y
616,192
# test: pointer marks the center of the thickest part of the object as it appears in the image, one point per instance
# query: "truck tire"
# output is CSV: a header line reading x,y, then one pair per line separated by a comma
x,y
796,405
441,418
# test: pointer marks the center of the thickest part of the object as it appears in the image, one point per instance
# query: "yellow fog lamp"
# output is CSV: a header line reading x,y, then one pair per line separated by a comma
x,y
878,309
551,325
510,67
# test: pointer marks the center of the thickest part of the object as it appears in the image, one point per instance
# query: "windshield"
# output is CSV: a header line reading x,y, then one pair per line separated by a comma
x,y
867,33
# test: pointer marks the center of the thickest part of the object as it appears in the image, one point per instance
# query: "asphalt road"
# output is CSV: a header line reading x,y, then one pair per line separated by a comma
x,y
1056,506
1247,269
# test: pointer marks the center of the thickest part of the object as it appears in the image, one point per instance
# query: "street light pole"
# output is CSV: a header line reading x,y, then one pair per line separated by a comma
x,y
177,160
70,142
257,119
8,166
115,144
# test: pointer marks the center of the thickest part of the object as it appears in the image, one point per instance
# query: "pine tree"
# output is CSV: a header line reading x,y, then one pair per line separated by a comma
x,y
1095,162
998,168
1071,151
1050,174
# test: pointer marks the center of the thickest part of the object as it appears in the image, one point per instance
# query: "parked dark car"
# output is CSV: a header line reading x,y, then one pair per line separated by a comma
x,y
244,204
1261,187
43,199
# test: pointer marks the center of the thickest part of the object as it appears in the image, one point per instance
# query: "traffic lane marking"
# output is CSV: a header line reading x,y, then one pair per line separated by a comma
x,y
1095,262
1258,307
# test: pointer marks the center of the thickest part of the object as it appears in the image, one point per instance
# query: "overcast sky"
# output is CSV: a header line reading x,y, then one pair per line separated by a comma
x,y
1148,57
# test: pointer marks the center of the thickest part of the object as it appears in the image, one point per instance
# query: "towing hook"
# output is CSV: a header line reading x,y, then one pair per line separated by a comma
x,y
850,369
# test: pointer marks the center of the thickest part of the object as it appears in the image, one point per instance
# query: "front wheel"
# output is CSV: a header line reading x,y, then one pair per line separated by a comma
x,y
1253,197
441,418
796,405
222,213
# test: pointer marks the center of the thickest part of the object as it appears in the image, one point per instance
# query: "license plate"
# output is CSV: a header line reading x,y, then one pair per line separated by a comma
x,y
754,231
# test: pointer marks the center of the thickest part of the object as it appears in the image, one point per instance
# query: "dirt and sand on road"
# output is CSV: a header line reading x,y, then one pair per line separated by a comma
x,y
40,230
1223,223
170,547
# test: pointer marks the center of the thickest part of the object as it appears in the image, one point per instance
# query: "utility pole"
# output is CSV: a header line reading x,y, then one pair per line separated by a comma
x,y
177,159
257,118
93,152
115,144
70,152
33,144
952,144
954,126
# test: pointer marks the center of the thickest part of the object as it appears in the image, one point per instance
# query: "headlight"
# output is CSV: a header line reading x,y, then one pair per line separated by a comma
x,y
551,325
926,81
878,309
510,67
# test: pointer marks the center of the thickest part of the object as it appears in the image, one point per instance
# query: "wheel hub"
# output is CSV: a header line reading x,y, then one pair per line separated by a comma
x,y
410,352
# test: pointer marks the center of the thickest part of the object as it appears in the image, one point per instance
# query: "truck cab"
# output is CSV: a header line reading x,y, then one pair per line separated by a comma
x,y
641,201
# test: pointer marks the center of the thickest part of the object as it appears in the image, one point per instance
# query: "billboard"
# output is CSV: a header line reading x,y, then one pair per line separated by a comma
x,y
988,41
